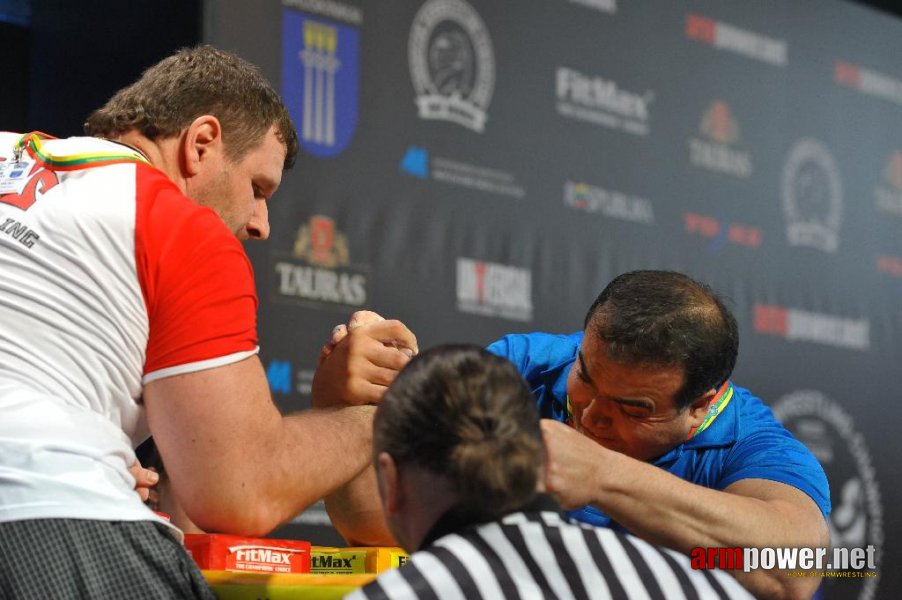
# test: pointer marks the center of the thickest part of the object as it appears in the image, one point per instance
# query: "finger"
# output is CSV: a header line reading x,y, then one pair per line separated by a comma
x,y
392,331
364,317
339,332
375,354
366,392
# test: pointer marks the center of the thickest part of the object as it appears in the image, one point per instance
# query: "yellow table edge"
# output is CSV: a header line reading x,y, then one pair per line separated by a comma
x,y
229,585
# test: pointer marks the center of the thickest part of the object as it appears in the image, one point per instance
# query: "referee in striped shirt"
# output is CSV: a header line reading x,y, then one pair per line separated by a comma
x,y
458,459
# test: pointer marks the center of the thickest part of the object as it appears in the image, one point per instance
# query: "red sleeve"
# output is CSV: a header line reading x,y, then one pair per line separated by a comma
x,y
197,281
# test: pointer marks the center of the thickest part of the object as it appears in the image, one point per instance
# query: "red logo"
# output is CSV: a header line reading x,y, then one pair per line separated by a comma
x,y
321,244
734,233
718,123
847,74
891,265
771,319
37,177
700,28
893,172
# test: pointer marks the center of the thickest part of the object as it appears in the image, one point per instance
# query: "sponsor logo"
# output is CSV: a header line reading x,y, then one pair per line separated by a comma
x,y
721,232
320,80
730,38
319,272
804,326
857,517
262,555
889,265
601,102
888,193
494,290
328,561
452,63
278,374
268,559
416,163
716,153
867,81
812,196
328,8
283,380
605,6
612,204
849,562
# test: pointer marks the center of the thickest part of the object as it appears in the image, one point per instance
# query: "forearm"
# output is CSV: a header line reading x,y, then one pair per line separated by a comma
x,y
356,512
268,474
667,510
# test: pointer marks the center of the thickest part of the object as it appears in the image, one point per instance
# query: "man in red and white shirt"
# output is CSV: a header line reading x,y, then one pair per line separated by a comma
x,y
128,308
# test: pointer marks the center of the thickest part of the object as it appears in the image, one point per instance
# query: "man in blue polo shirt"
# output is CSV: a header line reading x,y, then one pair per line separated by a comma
x,y
645,431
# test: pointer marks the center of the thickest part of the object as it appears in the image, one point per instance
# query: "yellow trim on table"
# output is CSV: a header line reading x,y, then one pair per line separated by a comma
x,y
230,585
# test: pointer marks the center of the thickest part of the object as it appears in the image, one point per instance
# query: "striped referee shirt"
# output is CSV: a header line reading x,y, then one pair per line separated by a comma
x,y
537,553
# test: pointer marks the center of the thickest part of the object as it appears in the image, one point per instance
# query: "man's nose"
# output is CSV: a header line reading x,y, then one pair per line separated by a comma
x,y
258,226
598,413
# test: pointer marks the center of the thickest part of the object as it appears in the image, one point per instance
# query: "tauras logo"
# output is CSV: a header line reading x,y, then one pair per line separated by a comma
x,y
319,269
715,153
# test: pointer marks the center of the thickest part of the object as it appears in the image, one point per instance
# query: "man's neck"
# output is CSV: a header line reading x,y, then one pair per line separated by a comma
x,y
162,153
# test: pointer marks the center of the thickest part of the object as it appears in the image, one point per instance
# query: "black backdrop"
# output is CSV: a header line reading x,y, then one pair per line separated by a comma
x,y
487,167
752,145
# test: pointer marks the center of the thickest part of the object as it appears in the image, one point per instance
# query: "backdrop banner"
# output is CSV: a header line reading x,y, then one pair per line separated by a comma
x,y
477,167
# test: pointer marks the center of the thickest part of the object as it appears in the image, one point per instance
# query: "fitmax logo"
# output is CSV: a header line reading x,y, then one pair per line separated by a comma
x,y
329,562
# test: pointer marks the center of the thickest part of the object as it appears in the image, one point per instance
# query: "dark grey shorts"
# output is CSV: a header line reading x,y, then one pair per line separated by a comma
x,y
72,558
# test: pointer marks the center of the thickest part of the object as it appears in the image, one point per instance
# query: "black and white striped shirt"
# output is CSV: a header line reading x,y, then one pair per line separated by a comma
x,y
537,553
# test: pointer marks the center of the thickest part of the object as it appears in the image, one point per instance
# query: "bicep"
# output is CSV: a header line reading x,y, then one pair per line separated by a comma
x,y
203,422
809,525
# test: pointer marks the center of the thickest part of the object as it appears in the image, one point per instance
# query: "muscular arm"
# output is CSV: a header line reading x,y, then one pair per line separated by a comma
x,y
235,463
667,510
356,512
355,367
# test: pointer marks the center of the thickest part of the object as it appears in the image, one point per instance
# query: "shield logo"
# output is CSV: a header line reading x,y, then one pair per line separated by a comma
x,y
320,80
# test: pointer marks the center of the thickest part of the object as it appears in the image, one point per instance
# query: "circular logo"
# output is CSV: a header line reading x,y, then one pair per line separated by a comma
x,y
856,520
812,196
452,63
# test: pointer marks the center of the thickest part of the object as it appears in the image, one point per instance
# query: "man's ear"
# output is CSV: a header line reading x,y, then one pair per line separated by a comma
x,y
200,140
389,481
699,407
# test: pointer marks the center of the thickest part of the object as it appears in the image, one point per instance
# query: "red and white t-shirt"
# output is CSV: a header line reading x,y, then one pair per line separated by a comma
x,y
109,278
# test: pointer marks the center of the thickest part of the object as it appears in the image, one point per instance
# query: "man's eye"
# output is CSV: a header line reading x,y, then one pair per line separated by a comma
x,y
637,412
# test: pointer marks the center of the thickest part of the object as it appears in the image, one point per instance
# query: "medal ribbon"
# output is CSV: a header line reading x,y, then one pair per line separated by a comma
x,y
32,143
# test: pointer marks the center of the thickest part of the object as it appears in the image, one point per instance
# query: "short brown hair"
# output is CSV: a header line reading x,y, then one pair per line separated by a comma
x,y
194,82
466,414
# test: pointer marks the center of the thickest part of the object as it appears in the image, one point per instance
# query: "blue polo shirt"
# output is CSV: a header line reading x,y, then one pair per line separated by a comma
x,y
744,442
